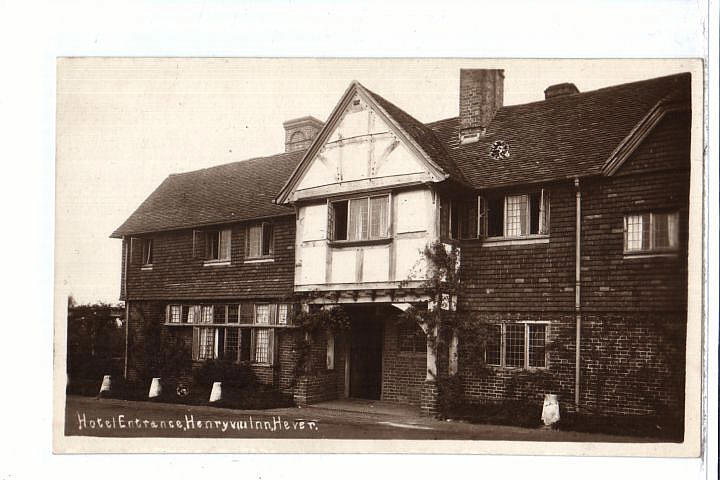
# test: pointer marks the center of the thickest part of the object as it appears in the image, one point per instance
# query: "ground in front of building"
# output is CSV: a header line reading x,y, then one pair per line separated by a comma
x,y
332,420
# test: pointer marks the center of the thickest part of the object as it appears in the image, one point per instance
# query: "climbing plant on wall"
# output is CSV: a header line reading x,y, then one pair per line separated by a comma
x,y
311,324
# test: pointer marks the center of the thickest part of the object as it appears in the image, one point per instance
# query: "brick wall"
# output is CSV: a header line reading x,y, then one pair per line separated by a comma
x,y
403,373
632,363
177,275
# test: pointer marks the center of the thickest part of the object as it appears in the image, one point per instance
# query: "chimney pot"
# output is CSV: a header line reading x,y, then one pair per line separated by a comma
x,y
300,132
560,90
481,96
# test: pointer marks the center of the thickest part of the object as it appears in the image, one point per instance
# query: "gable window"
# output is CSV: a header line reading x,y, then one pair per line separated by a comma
x,y
213,246
651,231
259,240
517,345
357,219
517,215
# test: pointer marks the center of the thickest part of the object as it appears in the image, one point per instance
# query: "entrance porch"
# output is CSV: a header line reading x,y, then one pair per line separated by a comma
x,y
378,359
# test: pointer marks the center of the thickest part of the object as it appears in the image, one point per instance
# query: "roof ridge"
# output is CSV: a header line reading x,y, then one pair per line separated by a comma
x,y
586,92
251,159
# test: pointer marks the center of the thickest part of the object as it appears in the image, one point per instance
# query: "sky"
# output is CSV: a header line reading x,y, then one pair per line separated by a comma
x,y
124,124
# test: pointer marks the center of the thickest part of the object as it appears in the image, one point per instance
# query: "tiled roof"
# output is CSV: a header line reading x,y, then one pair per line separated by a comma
x,y
227,193
562,137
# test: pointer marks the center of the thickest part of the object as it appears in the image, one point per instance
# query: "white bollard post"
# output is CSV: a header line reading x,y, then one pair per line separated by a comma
x,y
155,388
551,410
216,392
105,387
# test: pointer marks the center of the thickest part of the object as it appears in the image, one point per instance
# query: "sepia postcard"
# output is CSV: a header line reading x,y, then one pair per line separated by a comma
x,y
379,255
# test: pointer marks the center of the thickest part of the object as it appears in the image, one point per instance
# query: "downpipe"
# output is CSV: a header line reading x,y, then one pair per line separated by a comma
x,y
578,316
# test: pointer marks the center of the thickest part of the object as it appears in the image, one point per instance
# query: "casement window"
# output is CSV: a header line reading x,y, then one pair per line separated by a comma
x,y
263,337
174,314
517,345
212,245
651,232
259,241
517,215
366,218
243,333
206,343
411,339
141,251
147,252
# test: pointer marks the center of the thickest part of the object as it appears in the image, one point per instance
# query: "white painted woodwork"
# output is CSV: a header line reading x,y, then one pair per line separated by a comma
x,y
361,146
363,153
453,354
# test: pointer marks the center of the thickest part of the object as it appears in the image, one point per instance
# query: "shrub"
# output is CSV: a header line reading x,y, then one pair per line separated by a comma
x,y
231,374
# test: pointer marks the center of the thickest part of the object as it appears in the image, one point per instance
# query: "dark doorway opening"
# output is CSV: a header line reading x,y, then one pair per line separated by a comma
x,y
366,338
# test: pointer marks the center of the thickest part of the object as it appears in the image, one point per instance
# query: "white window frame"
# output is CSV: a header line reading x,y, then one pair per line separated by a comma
x,y
526,349
248,254
367,198
147,252
652,248
170,314
527,215
223,254
271,322
543,216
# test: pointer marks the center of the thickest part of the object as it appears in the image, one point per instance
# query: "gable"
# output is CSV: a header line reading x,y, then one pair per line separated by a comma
x,y
366,144
360,146
666,146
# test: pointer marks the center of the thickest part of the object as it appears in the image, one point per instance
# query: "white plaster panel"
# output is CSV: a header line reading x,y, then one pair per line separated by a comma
x,y
413,211
355,157
400,161
320,173
410,261
375,264
314,222
343,266
312,264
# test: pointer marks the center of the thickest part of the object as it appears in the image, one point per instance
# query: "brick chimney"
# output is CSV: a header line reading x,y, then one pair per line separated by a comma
x,y
300,132
481,96
560,90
